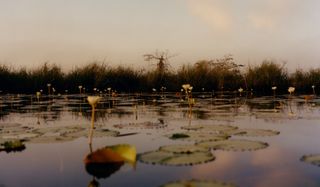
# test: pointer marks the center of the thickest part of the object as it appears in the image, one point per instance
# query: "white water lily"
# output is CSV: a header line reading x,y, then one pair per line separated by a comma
x,y
240,89
93,100
186,86
38,95
291,89
273,87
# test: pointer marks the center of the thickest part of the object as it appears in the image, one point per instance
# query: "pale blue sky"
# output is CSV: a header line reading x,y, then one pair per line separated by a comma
x,y
75,32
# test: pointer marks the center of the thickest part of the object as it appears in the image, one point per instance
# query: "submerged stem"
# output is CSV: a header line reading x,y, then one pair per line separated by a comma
x,y
92,126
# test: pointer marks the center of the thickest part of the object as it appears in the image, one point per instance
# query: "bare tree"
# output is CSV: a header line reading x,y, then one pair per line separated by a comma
x,y
162,59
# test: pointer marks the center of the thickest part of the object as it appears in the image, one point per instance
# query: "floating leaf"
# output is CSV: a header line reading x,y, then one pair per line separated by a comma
x,y
197,183
183,148
312,159
103,162
103,170
234,145
115,153
210,128
254,132
15,145
143,125
176,159
201,136
179,136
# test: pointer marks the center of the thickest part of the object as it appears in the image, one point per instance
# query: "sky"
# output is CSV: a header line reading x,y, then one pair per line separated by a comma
x,y
118,32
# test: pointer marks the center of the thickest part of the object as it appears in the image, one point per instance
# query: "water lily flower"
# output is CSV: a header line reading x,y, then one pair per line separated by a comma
x,y
240,89
38,95
49,85
314,92
93,100
273,87
291,89
186,86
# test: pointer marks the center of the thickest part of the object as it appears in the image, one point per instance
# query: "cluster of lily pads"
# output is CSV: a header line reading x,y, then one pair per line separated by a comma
x,y
206,138
48,134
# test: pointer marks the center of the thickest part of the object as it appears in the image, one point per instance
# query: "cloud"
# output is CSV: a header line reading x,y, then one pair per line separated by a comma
x,y
273,14
212,13
247,14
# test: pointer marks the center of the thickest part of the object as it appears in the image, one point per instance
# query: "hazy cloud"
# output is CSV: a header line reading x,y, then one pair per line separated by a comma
x,y
213,13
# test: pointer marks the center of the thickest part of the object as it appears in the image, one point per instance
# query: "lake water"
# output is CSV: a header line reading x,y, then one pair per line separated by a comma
x,y
52,157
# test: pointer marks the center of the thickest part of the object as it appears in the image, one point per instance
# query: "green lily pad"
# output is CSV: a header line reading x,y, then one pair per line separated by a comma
x,y
179,136
201,136
210,128
183,148
15,145
68,133
197,183
312,159
234,145
102,132
22,136
176,159
143,125
58,131
254,132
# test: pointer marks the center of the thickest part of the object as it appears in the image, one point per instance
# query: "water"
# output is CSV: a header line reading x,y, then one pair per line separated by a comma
x,y
60,162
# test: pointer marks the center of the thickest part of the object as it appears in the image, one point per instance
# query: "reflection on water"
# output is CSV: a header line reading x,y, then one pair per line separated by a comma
x,y
55,130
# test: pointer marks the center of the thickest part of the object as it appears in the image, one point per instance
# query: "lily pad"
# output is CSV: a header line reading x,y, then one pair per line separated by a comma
x,y
255,132
143,125
176,159
68,133
235,145
15,145
210,128
179,136
201,136
312,159
197,183
183,148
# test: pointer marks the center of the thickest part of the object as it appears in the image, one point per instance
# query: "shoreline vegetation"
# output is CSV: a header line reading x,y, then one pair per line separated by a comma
x,y
205,75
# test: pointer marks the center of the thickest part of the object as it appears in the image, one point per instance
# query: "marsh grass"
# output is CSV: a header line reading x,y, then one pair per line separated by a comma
x,y
203,75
